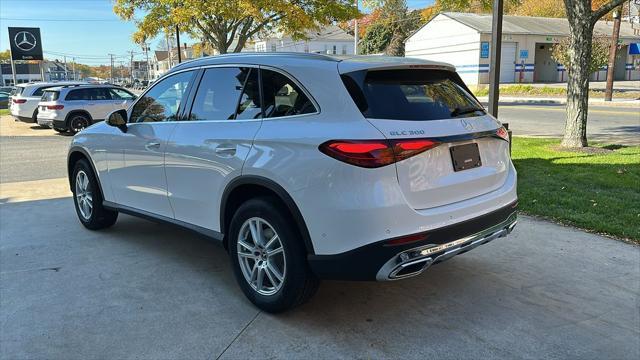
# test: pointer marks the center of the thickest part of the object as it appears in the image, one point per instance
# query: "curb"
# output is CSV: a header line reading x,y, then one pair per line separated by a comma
x,y
550,101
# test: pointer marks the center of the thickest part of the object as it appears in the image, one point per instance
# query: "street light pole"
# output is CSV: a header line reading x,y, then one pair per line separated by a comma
x,y
355,33
617,15
494,66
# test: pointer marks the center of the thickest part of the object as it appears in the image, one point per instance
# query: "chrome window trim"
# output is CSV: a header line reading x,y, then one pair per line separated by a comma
x,y
258,66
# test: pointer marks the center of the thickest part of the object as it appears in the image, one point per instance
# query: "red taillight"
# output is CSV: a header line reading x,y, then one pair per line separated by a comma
x,y
19,101
404,149
55,107
375,153
502,133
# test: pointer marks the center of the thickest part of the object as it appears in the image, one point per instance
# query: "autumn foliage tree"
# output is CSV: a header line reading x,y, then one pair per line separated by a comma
x,y
227,25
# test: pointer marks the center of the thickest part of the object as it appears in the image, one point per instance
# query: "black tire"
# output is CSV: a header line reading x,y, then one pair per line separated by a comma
x,y
99,217
78,122
34,118
299,283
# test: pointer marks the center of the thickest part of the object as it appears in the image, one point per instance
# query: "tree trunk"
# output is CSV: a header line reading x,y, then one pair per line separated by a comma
x,y
581,26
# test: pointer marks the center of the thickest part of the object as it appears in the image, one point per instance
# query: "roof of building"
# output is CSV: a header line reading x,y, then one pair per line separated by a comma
x,y
326,33
529,25
161,55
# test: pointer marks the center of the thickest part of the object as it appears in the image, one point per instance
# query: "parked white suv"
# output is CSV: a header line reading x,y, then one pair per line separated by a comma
x,y
72,108
25,98
305,166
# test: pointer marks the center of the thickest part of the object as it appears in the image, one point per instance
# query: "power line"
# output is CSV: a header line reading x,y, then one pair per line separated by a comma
x,y
65,20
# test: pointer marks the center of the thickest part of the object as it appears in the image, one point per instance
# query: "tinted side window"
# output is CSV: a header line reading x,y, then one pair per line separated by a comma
x,y
100,94
282,97
80,94
218,93
249,105
121,94
162,102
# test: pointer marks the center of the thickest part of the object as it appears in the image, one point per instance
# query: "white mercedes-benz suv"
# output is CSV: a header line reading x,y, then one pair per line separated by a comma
x,y
305,167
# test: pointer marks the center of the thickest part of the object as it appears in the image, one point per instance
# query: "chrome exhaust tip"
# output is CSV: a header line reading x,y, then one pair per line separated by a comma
x,y
410,268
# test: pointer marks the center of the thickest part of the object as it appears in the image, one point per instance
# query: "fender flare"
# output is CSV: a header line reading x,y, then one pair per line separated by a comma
x,y
85,154
280,192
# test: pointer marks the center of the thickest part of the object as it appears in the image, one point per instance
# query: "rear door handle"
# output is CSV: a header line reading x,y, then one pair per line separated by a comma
x,y
152,145
226,150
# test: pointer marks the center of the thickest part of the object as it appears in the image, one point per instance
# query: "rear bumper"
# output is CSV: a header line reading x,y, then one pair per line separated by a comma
x,y
23,118
45,122
379,261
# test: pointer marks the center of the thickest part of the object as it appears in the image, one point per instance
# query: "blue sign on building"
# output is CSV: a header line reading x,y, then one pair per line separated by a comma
x,y
524,54
484,49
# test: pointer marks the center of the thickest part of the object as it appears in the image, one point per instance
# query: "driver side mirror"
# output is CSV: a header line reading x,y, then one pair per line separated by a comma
x,y
118,119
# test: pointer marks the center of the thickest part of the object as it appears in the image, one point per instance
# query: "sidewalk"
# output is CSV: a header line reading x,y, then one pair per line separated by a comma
x,y
561,100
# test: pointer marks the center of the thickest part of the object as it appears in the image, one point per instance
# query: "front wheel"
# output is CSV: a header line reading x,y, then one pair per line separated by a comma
x,y
88,199
268,258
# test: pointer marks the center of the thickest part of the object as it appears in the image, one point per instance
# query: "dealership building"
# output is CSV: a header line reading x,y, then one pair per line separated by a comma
x,y
464,40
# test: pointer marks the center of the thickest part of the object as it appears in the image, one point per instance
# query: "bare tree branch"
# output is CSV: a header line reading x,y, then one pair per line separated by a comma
x,y
604,9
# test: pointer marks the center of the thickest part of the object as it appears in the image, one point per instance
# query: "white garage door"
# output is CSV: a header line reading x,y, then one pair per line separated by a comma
x,y
508,63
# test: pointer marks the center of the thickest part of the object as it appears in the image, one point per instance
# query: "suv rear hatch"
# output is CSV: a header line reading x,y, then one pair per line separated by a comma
x,y
459,152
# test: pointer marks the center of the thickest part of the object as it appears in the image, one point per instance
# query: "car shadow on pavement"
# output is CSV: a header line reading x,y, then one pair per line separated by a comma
x,y
144,290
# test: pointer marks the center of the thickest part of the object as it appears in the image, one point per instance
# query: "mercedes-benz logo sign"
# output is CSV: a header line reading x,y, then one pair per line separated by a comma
x,y
25,41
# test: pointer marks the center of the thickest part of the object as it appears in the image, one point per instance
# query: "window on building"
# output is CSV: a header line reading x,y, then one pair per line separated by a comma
x,y
334,50
273,47
344,49
306,47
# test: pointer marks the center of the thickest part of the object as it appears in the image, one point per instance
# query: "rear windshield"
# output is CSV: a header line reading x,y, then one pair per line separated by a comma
x,y
413,94
39,91
17,91
50,95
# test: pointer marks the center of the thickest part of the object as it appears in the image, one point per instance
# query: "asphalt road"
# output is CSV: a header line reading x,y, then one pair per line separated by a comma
x,y
614,125
24,158
140,290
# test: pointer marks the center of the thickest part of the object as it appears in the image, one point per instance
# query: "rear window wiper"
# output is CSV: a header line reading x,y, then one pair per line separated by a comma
x,y
465,110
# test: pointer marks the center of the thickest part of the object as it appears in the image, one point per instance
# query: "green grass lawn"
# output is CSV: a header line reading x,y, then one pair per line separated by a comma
x,y
4,112
599,192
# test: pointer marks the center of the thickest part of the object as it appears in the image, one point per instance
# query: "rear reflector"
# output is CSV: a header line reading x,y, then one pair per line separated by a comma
x,y
375,153
19,101
406,239
55,107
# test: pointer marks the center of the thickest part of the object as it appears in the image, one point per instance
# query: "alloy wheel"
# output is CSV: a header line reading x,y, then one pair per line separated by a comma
x,y
84,198
261,256
78,123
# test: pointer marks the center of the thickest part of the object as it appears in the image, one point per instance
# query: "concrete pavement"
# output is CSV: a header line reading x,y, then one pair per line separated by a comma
x,y
142,290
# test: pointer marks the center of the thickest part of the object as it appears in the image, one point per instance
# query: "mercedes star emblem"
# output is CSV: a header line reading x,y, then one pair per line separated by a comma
x,y
25,41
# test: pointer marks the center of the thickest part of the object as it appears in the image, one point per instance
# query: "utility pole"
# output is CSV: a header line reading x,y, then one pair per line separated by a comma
x,y
111,56
617,15
168,47
355,34
66,73
146,53
73,64
131,67
178,42
494,66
